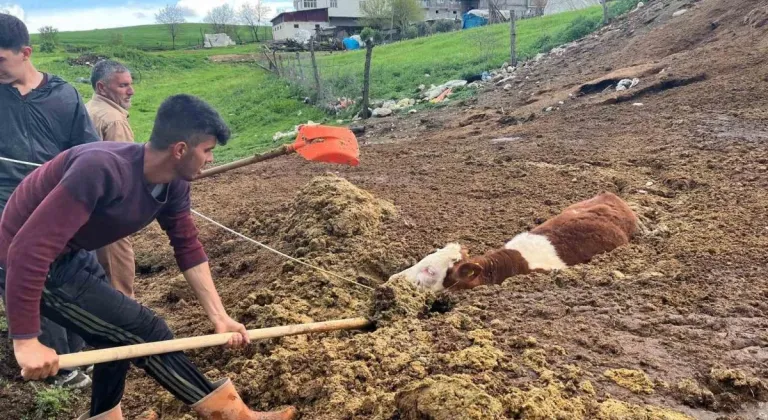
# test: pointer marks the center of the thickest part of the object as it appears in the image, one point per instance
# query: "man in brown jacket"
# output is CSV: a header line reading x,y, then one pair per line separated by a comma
x,y
112,93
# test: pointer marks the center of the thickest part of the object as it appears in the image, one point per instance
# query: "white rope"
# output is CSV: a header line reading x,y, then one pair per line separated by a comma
x,y
278,252
238,234
20,161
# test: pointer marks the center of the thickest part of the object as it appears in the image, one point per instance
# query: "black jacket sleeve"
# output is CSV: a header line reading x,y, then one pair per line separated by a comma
x,y
83,130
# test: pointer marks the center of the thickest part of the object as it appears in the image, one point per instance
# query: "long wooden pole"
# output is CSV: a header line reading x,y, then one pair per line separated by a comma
x,y
512,39
282,150
69,361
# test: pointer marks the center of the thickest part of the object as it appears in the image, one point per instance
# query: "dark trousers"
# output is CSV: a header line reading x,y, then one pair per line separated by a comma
x,y
79,297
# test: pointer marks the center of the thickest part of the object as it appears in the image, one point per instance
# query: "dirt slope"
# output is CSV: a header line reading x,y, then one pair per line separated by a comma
x,y
672,326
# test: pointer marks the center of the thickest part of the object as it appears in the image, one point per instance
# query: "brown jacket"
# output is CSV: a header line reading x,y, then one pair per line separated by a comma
x,y
117,258
110,119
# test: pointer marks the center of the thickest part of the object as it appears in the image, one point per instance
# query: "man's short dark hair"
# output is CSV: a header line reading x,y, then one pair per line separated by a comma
x,y
13,33
186,118
104,69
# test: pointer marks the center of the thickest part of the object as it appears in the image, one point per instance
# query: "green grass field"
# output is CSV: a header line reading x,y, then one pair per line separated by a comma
x,y
256,104
147,37
398,69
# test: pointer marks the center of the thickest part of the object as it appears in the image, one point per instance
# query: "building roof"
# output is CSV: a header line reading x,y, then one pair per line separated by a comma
x,y
309,15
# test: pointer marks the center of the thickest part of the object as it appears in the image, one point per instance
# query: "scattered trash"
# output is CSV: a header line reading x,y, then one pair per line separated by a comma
x,y
422,87
436,91
413,111
382,112
426,74
341,104
638,104
640,5
507,86
281,135
561,103
649,183
443,97
538,57
625,84
549,109
475,85
486,76
679,12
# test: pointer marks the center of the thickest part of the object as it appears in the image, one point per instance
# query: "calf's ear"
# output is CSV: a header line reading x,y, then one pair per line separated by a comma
x,y
469,272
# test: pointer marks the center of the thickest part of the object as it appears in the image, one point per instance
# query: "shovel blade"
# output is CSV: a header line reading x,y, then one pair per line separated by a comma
x,y
322,143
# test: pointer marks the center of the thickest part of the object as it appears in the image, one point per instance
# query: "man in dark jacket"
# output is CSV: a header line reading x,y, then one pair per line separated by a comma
x,y
41,115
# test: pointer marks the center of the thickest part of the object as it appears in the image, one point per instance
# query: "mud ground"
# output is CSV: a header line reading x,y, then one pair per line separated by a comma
x,y
672,326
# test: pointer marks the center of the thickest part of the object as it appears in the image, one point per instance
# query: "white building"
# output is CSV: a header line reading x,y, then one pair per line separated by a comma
x,y
336,8
344,15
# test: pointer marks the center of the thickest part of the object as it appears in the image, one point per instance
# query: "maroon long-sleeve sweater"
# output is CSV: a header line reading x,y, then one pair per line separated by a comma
x,y
84,198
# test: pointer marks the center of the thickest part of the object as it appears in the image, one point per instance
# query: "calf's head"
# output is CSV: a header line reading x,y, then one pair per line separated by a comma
x,y
466,274
430,272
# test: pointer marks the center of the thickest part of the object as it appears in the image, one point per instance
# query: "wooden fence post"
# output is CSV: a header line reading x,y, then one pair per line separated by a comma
x,y
512,39
314,68
298,62
606,19
367,80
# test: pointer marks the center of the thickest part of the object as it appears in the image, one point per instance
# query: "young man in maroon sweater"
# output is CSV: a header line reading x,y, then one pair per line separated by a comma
x,y
91,196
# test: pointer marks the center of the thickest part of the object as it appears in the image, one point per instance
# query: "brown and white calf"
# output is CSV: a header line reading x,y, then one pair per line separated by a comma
x,y
581,231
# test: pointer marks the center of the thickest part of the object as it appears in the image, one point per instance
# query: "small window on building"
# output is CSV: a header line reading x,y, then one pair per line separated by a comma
x,y
310,4
334,3
317,26
296,25
454,12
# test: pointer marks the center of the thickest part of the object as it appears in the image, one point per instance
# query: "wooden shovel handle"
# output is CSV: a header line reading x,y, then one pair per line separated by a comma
x,y
69,361
282,150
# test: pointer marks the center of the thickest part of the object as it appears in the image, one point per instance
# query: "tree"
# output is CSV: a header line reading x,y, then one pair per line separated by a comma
x,y
221,18
49,38
253,15
398,14
172,16
538,7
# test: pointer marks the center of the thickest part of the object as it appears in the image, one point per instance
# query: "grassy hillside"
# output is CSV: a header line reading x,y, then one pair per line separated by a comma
x,y
257,105
146,37
398,68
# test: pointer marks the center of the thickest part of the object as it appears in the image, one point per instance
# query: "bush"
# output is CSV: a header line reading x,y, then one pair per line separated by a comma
x,y
544,44
116,39
47,46
579,28
412,32
619,7
423,28
443,25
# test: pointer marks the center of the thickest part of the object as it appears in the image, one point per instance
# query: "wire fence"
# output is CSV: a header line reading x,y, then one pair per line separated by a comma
x,y
447,62
411,73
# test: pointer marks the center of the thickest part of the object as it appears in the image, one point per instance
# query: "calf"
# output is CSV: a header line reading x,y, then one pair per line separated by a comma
x,y
430,272
583,230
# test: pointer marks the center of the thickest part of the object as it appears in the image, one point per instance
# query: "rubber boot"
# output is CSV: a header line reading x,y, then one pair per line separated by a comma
x,y
115,413
225,404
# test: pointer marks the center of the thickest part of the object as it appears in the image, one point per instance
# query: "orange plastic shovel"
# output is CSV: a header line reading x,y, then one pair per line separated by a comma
x,y
318,143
